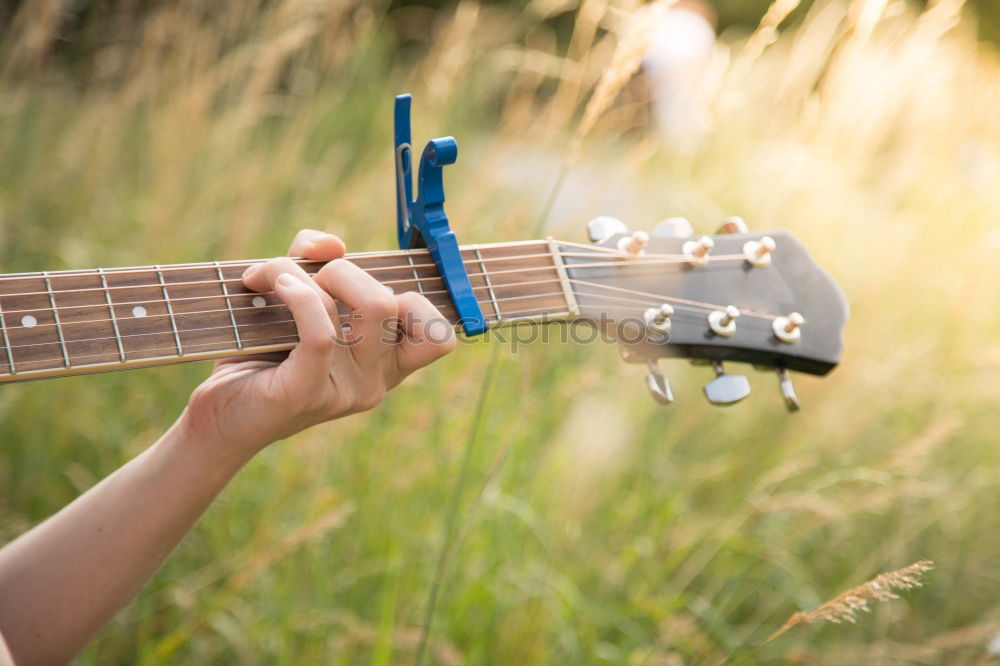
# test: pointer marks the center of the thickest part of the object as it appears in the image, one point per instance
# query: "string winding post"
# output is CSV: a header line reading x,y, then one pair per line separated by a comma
x,y
423,223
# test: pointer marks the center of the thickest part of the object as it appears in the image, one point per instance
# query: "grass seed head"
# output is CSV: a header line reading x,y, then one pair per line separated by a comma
x,y
845,607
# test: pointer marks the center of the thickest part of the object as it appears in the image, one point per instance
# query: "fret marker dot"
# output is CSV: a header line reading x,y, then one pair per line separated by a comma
x,y
258,301
28,321
138,311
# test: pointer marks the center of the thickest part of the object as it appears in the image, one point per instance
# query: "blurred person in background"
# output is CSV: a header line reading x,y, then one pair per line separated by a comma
x,y
682,45
66,578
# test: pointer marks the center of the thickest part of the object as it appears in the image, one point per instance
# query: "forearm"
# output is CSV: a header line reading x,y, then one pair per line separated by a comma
x,y
66,578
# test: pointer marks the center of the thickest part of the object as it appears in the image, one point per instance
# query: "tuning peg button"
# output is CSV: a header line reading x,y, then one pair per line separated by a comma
x,y
602,228
733,225
788,329
673,227
723,322
658,385
788,391
634,244
697,250
726,389
658,319
758,253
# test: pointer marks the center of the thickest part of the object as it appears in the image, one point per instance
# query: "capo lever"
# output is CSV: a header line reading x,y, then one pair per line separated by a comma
x,y
423,222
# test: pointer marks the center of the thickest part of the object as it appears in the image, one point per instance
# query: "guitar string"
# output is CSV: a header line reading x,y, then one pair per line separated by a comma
x,y
627,263
590,250
624,260
229,327
251,294
255,308
249,350
655,299
505,317
140,270
659,298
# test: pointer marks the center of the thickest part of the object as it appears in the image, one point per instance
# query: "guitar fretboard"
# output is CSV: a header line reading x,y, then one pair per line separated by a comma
x,y
72,322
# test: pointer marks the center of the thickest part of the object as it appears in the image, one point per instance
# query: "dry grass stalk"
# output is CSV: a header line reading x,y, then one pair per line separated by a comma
x,y
767,30
30,36
625,62
844,607
939,17
452,55
588,18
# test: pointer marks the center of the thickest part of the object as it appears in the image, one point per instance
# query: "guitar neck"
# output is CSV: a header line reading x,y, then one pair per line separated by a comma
x,y
75,322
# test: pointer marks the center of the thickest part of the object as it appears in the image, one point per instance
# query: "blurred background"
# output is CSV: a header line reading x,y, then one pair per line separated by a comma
x,y
538,502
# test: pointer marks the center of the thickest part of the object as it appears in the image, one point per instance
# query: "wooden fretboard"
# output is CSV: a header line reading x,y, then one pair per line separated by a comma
x,y
73,322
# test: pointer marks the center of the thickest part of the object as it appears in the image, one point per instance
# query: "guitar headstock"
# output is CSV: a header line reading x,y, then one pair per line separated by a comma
x,y
734,296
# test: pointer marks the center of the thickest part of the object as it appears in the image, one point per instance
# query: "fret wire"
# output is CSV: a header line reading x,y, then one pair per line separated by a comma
x,y
489,286
6,343
229,305
114,319
55,317
416,276
170,312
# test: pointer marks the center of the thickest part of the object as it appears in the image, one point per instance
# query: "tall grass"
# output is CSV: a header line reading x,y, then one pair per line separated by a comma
x,y
594,526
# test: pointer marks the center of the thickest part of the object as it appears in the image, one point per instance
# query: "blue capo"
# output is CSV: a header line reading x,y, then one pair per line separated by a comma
x,y
423,223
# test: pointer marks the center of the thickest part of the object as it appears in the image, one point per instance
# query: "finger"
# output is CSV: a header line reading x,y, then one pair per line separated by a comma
x,y
261,277
373,327
309,363
427,335
316,245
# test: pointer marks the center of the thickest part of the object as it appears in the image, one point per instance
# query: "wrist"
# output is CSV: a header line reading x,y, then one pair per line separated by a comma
x,y
203,441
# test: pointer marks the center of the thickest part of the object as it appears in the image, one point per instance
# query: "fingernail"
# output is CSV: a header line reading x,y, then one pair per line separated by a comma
x,y
319,241
250,271
285,280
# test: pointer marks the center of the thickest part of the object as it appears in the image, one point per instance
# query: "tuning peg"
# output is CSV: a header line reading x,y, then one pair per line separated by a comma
x,y
658,319
726,389
788,329
758,253
733,225
697,250
634,244
658,385
723,322
602,228
788,391
673,227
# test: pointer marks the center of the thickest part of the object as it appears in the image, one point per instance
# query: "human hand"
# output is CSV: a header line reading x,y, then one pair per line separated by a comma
x,y
249,402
